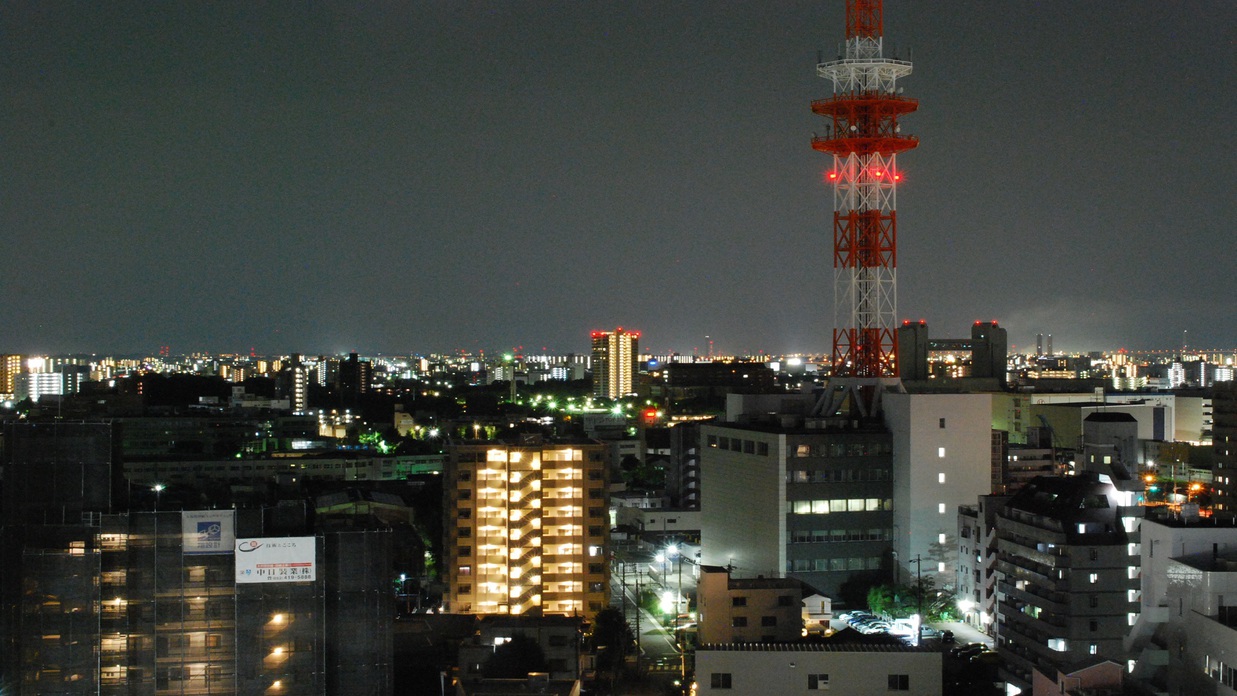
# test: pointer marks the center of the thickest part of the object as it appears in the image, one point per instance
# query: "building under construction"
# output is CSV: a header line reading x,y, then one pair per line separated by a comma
x,y
101,596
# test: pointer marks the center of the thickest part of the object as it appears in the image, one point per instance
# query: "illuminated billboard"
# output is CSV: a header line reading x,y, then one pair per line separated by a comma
x,y
276,559
207,531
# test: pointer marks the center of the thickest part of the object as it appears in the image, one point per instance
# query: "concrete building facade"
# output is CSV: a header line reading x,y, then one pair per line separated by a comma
x,y
788,669
788,497
754,610
942,458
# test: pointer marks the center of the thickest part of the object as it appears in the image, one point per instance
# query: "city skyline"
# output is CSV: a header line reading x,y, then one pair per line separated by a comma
x,y
413,179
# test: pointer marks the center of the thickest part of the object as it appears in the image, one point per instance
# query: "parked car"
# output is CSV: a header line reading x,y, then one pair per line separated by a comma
x,y
947,636
986,657
966,652
873,626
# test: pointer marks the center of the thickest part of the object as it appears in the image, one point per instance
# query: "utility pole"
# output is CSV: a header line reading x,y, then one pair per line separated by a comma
x,y
919,591
639,636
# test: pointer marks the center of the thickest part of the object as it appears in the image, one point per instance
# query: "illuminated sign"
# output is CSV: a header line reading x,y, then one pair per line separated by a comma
x,y
207,531
276,559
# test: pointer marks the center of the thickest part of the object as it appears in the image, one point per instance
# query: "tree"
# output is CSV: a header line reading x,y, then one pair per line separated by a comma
x,y
515,659
612,639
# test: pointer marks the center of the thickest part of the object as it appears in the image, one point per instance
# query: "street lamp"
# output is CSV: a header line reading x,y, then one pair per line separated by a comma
x,y
965,606
157,488
919,591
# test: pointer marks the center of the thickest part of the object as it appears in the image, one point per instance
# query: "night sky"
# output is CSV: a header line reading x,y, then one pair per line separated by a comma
x,y
429,176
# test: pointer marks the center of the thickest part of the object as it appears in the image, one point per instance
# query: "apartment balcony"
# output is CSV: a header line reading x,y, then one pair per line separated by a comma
x,y
1027,548
1033,528
1019,568
1028,625
200,623
1044,599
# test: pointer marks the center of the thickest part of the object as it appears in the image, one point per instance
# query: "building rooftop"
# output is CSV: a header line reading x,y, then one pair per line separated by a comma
x,y
1110,417
817,646
1211,562
796,425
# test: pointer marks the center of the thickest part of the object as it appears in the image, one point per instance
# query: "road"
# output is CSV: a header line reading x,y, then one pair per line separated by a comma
x,y
657,646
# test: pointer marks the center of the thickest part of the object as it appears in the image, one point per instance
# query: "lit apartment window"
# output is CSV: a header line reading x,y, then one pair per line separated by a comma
x,y
940,452
817,682
940,478
940,508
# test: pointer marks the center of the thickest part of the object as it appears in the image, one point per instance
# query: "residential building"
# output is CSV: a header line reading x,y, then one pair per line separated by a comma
x,y
1224,446
527,527
1067,557
355,377
11,365
615,358
1187,563
977,562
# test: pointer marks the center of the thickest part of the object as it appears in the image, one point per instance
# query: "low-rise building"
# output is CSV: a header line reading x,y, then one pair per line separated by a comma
x,y
734,610
787,669
557,636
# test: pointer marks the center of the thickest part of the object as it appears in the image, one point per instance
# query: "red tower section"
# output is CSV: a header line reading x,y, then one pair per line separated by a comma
x,y
864,138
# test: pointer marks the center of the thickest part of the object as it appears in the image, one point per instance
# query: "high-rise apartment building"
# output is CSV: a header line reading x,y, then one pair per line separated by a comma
x,y
355,376
527,527
10,367
1067,555
1224,444
615,356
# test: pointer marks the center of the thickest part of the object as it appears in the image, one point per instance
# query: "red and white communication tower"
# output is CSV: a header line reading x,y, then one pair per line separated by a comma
x,y
864,138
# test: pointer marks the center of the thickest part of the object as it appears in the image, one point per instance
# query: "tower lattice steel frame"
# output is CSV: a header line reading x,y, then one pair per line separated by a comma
x,y
864,138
